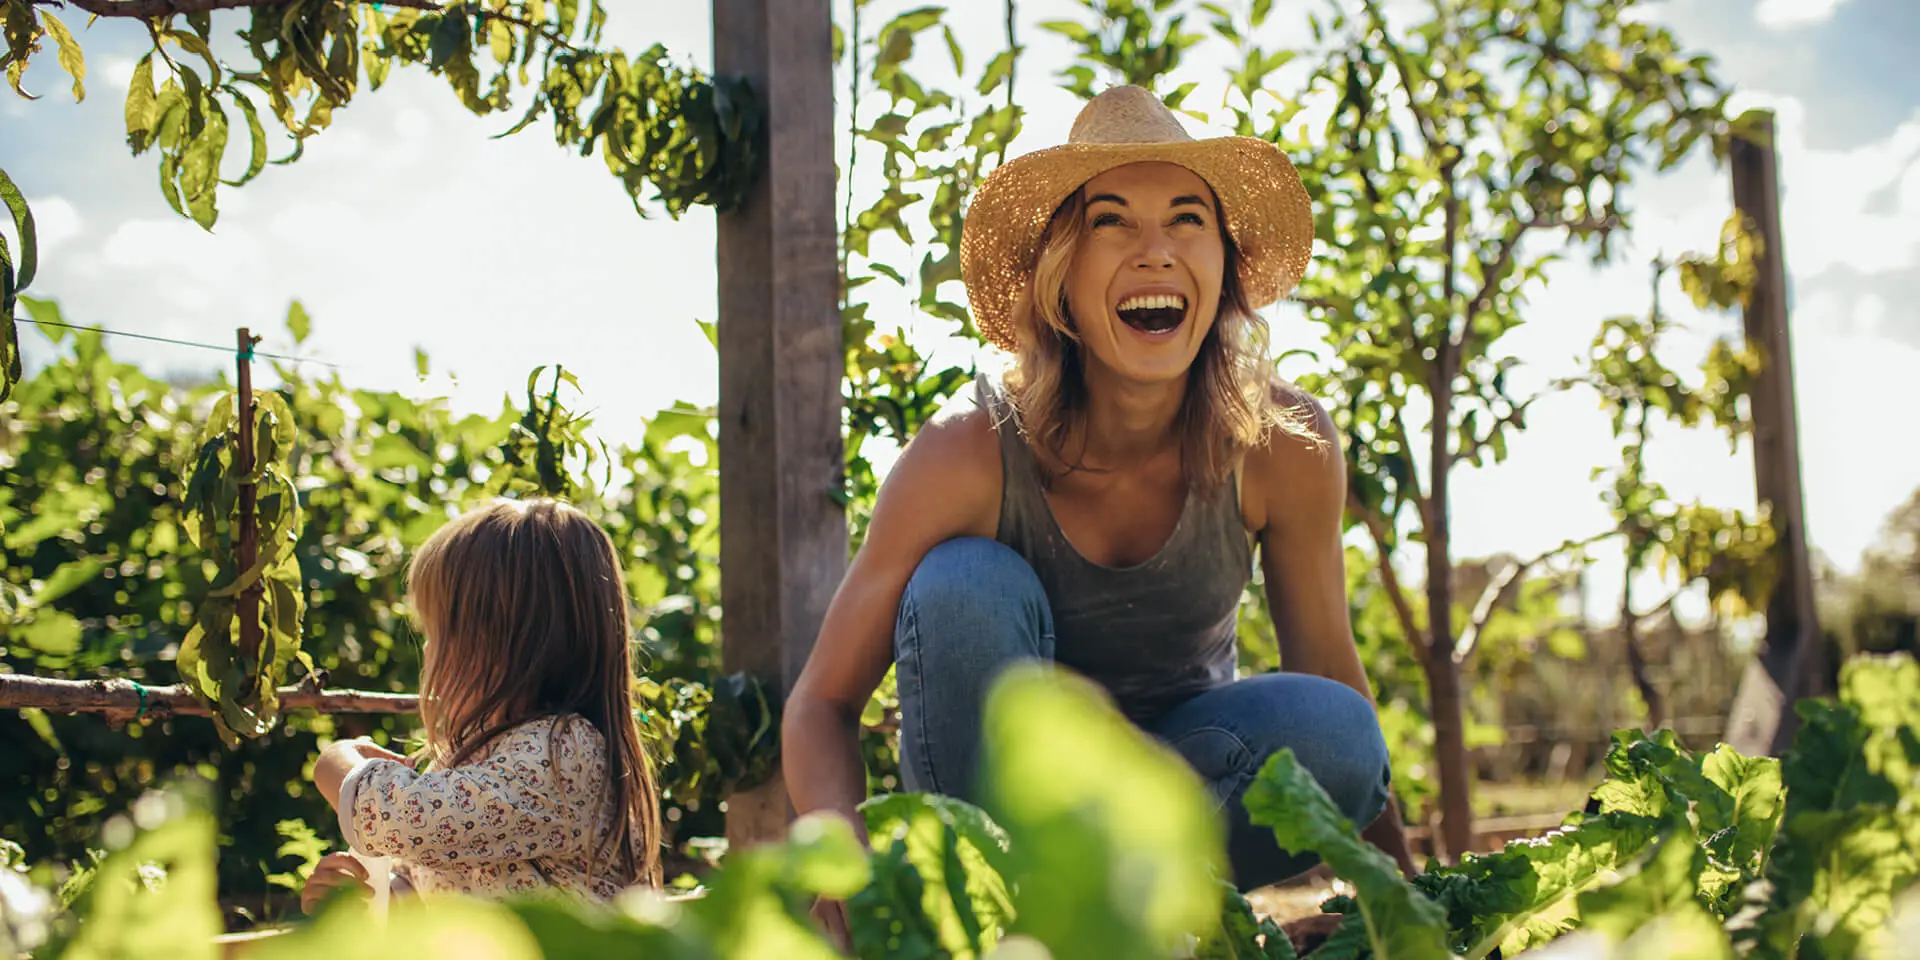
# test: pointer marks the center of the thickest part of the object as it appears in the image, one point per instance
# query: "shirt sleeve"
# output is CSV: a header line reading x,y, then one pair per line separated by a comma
x,y
536,794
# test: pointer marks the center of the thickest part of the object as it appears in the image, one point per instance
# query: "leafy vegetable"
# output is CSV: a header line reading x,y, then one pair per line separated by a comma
x,y
1851,837
1401,922
1115,847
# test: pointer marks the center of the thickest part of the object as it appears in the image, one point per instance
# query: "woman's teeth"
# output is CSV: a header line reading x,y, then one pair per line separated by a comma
x,y
1160,301
1153,313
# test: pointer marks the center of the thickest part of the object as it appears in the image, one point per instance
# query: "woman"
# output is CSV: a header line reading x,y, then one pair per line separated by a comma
x,y
1098,504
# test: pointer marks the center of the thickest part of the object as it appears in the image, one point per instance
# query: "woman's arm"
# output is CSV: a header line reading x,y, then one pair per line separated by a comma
x,y
1297,494
945,485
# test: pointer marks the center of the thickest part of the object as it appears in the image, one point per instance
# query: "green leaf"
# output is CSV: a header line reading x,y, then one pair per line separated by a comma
x,y
1241,936
997,72
143,108
23,226
71,58
67,578
1402,924
1072,30
155,896
500,40
1849,839
195,45
953,50
52,632
256,136
959,858
412,931
298,323
1115,843
1667,881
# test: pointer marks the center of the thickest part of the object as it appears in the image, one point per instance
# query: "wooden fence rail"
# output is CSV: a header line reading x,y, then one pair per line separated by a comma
x,y
128,700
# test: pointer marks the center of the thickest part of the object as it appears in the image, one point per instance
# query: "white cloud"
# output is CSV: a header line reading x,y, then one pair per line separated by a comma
x,y
1827,196
115,71
55,223
1788,14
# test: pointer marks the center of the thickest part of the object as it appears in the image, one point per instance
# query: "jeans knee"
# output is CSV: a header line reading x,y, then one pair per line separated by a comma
x,y
1356,772
975,585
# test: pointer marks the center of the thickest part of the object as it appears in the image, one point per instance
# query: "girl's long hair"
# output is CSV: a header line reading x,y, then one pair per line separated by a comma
x,y
524,606
1229,406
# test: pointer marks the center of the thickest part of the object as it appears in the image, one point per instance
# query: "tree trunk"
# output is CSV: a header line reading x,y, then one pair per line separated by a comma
x,y
1450,754
1637,660
1443,674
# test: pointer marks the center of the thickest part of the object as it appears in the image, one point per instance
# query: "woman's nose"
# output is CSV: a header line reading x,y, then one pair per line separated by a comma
x,y
1154,252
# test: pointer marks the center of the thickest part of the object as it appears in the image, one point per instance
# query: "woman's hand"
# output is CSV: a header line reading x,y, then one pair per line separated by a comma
x,y
831,915
334,871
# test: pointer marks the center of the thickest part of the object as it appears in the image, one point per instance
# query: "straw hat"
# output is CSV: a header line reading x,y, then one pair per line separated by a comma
x,y
1264,205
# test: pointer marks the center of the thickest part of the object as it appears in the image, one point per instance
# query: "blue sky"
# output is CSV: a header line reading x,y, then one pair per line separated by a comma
x,y
405,225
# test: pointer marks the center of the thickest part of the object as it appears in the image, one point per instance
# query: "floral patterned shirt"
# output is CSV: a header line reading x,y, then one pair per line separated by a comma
x,y
524,813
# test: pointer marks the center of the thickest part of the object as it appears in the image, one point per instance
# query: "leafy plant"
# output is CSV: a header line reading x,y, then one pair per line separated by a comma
x,y
243,638
12,280
1675,856
688,136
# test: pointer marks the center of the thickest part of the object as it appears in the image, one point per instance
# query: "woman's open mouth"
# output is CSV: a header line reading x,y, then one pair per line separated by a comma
x,y
1154,312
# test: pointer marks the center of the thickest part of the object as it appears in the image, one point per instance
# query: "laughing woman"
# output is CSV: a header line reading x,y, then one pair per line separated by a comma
x,y
1099,505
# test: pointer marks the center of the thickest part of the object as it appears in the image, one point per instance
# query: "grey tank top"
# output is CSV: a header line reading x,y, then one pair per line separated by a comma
x,y
1154,634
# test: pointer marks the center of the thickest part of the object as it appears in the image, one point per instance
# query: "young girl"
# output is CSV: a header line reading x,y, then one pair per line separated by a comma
x,y
537,778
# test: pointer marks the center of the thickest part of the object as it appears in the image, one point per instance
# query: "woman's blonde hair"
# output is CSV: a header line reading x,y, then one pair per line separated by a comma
x,y
1229,406
525,610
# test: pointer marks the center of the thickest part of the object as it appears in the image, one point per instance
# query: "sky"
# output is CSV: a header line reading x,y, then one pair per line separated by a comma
x,y
406,225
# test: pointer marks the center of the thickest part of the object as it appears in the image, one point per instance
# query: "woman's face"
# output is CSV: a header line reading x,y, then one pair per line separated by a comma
x,y
1144,283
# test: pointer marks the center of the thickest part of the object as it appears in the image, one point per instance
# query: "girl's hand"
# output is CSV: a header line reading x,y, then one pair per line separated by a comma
x,y
333,764
373,751
333,872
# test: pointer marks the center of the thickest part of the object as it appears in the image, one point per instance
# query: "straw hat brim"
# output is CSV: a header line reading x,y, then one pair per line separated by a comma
x,y
1263,204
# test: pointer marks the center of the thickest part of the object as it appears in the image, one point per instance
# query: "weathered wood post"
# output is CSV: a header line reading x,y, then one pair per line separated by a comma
x,y
783,535
1790,665
247,536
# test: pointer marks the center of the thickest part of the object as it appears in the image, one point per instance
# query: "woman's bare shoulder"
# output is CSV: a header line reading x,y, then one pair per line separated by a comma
x,y
949,474
1299,461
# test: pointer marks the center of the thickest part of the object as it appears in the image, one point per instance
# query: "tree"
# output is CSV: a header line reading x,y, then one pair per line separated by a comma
x,y
1731,554
1457,147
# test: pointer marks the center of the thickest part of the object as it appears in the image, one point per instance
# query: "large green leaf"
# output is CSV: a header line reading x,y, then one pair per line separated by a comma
x,y
155,894
1402,923
1850,839
958,857
1115,846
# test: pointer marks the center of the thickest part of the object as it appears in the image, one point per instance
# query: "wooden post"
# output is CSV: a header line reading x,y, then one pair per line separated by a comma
x,y
783,532
248,535
1790,664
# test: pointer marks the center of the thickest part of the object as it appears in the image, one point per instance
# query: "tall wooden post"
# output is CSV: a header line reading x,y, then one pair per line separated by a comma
x,y
783,533
1790,665
248,536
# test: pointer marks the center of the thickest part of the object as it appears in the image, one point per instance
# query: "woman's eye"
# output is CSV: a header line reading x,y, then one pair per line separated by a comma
x,y
1106,220
1192,218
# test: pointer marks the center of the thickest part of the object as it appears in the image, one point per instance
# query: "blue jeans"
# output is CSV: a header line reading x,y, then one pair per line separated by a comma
x,y
974,606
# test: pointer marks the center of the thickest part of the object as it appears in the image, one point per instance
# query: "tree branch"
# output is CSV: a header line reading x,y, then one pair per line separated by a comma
x,y
1491,276
1513,419
1429,131
1497,587
1389,579
124,699
150,9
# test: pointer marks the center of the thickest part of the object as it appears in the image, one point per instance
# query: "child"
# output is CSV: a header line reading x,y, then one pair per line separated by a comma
x,y
537,778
